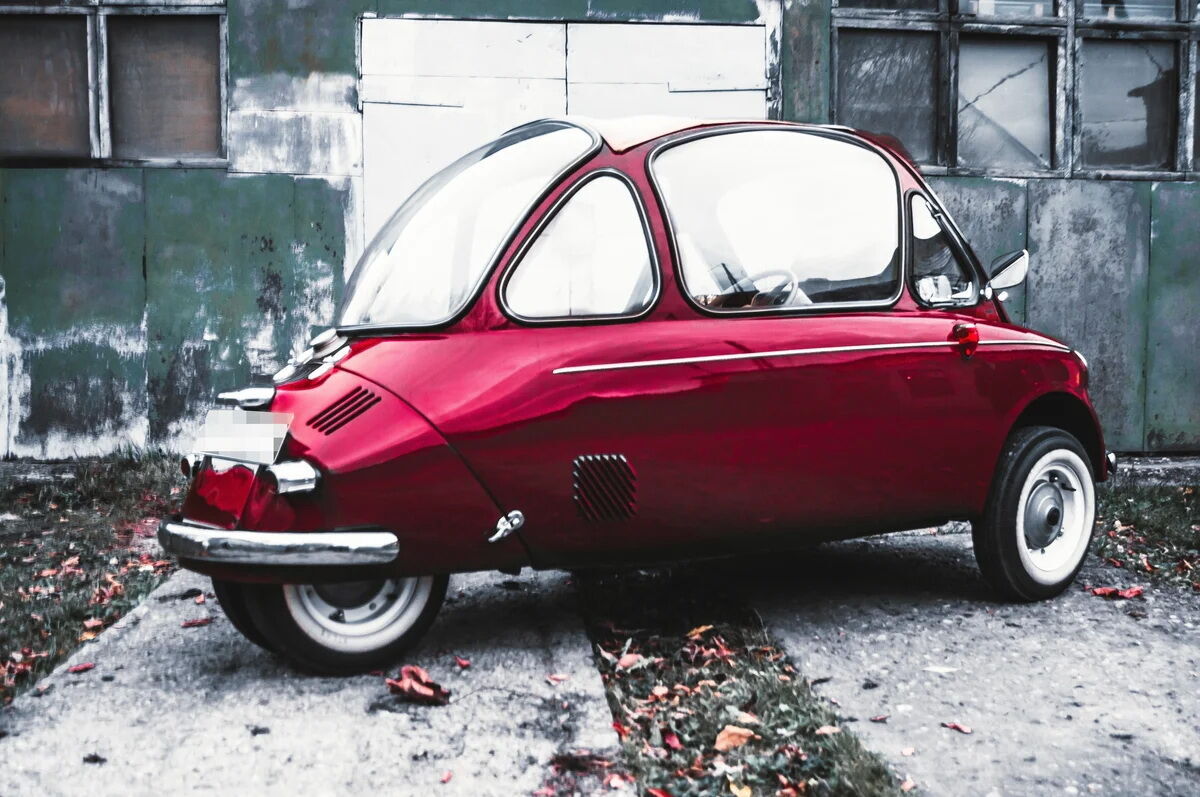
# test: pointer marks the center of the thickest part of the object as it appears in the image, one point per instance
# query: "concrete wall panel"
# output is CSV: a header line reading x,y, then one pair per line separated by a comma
x,y
1173,344
992,214
1090,243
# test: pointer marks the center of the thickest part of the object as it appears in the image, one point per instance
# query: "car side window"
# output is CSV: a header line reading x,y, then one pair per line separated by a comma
x,y
769,220
591,260
939,275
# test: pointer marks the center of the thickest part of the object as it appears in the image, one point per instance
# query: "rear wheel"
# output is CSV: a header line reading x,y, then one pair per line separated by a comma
x,y
232,597
1037,526
347,627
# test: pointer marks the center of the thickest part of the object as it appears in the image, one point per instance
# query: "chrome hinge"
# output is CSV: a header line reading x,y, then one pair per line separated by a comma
x,y
507,525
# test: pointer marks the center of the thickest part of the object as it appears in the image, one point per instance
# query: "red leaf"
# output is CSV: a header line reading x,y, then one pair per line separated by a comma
x,y
196,623
1104,592
462,663
658,793
554,679
199,599
87,665
1132,592
881,718
621,730
93,622
956,726
446,777
628,660
672,741
415,685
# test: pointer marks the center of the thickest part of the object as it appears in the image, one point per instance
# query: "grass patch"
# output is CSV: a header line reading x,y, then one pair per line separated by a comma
x,y
76,554
1153,532
703,701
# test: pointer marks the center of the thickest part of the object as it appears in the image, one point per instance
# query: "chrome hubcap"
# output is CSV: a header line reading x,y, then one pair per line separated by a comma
x,y
1055,517
357,616
1044,513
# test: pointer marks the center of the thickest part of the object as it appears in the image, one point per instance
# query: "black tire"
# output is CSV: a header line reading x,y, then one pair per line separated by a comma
x,y
232,597
1007,537
295,632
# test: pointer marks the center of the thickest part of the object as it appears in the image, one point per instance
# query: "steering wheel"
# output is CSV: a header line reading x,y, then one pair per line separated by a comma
x,y
784,294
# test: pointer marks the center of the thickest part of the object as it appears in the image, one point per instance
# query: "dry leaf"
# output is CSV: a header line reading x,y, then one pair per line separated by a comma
x,y
77,668
908,785
446,777
956,726
1130,593
732,736
93,622
88,636
827,730
672,741
660,691
628,660
462,663
199,621
740,791
415,685
199,599
881,718
658,793
698,630
556,678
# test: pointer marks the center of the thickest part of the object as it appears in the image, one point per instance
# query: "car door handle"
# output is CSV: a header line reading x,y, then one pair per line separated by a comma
x,y
966,336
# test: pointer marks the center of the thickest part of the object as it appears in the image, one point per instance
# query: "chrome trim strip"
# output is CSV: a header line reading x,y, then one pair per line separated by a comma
x,y
278,547
576,369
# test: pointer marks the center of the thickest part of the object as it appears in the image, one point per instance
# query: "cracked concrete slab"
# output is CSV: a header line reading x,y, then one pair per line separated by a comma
x,y
174,709
1076,695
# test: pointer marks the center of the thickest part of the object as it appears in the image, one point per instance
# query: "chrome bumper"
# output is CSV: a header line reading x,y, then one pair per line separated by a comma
x,y
189,541
1110,459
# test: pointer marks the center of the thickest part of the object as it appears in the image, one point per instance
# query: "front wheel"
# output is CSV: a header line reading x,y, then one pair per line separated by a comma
x,y
1037,526
349,627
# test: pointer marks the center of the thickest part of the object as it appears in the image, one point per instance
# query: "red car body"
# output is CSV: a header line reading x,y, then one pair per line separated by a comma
x,y
681,433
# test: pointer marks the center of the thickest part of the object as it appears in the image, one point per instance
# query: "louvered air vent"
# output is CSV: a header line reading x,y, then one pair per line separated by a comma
x,y
605,487
344,410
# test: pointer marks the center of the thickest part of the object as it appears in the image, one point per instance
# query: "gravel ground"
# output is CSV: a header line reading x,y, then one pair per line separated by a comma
x,y
171,709
1075,695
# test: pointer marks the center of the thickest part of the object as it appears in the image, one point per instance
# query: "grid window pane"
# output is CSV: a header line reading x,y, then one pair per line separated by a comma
x,y
1004,102
44,86
887,83
1129,9
1008,8
164,86
892,5
1128,99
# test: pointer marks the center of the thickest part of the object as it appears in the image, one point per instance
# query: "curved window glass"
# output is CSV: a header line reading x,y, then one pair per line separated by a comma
x,y
778,219
427,261
939,276
592,259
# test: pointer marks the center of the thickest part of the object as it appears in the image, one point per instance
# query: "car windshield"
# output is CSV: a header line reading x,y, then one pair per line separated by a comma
x,y
425,264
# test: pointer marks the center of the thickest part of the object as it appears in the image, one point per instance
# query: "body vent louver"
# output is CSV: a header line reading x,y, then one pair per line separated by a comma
x,y
344,410
605,487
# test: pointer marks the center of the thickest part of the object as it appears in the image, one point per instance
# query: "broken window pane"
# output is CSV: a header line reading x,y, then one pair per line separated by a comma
x,y
1129,9
1004,100
44,86
887,83
1008,8
164,86
1128,98
892,5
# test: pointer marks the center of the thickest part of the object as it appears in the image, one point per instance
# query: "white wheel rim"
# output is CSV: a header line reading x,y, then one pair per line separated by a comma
x,y
382,616
1050,551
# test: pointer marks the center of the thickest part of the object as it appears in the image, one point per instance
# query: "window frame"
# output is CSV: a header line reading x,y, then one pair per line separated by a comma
x,y
958,245
1071,28
97,14
543,222
800,310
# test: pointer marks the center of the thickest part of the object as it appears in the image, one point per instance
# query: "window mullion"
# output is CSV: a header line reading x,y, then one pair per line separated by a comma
x,y
948,115
103,116
1071,119
1185,159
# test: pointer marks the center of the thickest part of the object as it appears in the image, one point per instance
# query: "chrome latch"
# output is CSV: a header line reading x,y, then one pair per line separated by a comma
x,y
507,525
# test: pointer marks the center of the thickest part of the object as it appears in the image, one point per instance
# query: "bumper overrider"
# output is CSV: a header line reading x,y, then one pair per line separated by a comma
x,y
233,546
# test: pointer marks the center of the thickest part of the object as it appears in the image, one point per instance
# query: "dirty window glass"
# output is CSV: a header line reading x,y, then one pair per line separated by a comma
x,y
1004,101
425,264
939,277
1008,8
1128,98
778,220
44,86
592,259
164,86
1134,9
887,84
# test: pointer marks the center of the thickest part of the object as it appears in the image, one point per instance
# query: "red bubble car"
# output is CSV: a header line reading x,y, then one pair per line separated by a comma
x,y
611,343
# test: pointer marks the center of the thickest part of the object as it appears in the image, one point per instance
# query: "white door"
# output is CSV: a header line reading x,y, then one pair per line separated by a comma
x,y
433,90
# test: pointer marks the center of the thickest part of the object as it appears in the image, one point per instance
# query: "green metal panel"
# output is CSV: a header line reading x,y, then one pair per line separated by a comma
x,y
698,10
85,388
1173,335
805,60
293,37
1090,247
320,246
992,214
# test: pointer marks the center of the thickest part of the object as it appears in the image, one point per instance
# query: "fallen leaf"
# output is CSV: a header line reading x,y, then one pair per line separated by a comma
x,y
462,663
740,791
956,726
672,741
88,636
199,599
415,685
555,679
1130,593
622,731
660,691
698,630
87,665
446,776
827,730
732,736
93,622
628,660
48,572
658,793
1104,592
881,718
907,751
908,785
196,623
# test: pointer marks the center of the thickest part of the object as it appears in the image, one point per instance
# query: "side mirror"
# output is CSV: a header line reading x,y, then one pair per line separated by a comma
x,y
1008,271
